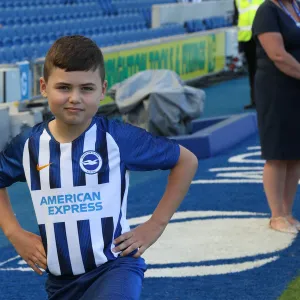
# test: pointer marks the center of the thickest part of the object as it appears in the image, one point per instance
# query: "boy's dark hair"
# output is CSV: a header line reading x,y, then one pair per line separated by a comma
x,y
74,53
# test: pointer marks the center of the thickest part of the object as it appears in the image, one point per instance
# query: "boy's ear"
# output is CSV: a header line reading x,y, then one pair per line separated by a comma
x,y
43,87
104,87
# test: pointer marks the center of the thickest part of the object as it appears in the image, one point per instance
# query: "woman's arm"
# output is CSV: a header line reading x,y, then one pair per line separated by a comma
x,y
272,42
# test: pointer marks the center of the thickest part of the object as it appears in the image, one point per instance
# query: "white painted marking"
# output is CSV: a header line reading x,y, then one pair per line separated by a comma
x,y
18,269
244,175
211,181
207,270
9,260
236,169
254,148
244,158
181,215
210,240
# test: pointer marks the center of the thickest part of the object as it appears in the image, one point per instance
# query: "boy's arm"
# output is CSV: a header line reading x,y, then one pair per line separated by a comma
x,y
28,245
143,236
8,221
179,182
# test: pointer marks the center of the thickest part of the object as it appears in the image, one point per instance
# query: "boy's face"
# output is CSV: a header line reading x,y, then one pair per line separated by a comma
x,y
73,97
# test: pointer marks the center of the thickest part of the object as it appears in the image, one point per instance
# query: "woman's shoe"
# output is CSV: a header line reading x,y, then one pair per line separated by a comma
x,y
287,228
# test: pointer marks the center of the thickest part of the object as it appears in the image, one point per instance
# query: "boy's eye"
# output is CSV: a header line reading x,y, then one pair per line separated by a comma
x,y
87,88
64,88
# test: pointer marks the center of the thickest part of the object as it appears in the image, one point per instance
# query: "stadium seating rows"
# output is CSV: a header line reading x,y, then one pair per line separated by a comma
x,y
27,33
32,3
31,49
207,24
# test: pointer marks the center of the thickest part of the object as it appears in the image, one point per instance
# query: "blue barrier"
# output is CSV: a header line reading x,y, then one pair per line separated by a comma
x,y
200,124
212,136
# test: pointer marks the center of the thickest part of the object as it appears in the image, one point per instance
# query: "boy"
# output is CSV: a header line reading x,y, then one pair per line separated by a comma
x,y
76,166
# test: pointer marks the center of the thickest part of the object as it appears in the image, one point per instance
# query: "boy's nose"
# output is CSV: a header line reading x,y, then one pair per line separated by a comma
x,y
75,97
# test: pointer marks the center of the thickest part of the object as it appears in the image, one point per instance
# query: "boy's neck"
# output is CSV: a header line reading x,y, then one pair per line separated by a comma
x,y
65,133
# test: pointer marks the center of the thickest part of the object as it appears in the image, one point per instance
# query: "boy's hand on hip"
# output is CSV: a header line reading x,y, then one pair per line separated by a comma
x,y
30,248
140,238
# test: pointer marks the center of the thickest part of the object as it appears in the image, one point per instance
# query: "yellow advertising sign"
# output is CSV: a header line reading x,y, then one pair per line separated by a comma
x,y
190,58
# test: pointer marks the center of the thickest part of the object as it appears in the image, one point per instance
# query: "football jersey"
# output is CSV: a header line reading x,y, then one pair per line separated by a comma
x,y
79,189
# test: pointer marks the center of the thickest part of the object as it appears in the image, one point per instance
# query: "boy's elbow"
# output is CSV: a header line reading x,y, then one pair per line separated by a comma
x,y
188,159
191,161
194,161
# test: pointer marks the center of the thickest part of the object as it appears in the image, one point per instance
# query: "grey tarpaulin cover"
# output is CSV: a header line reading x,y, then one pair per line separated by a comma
x,y
159,101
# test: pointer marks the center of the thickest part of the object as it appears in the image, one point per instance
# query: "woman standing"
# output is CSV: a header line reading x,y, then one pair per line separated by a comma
x,y
276,29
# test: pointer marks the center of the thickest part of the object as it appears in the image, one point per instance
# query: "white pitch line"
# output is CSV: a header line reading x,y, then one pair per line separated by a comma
x,y
204,181
236,169
254,148
9,260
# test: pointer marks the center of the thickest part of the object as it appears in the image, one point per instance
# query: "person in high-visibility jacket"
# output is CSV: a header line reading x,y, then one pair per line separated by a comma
x,y
244,14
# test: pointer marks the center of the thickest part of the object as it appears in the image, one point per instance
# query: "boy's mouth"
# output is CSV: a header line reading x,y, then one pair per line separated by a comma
x,y
73,109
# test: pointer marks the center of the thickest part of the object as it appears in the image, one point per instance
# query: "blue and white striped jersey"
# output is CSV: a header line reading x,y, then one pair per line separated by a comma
x,y
79,189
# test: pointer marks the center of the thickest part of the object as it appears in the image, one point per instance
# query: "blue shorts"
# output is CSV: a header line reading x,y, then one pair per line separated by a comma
x,y
119,279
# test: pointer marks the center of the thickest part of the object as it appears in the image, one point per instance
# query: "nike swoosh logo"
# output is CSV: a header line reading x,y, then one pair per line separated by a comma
x,y
39,168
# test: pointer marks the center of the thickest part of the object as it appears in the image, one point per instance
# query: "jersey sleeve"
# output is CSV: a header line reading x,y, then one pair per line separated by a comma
x,y
266,19
11,161
142,151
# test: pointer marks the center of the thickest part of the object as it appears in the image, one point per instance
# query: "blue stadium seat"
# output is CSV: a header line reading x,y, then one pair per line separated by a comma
x,y
6,31
140,34
9,22
51,36
190,26
55,27
208,23
44,48
105,21
104,29
39,52
9,4
7,42
32,51
40,22
2,57
220,21
18,4
81,31
35,39
34,19
18,21
25,52
18,53
17,41
44,38
9,55
23,21
111,39
31,29
100,41
65,16
199,25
